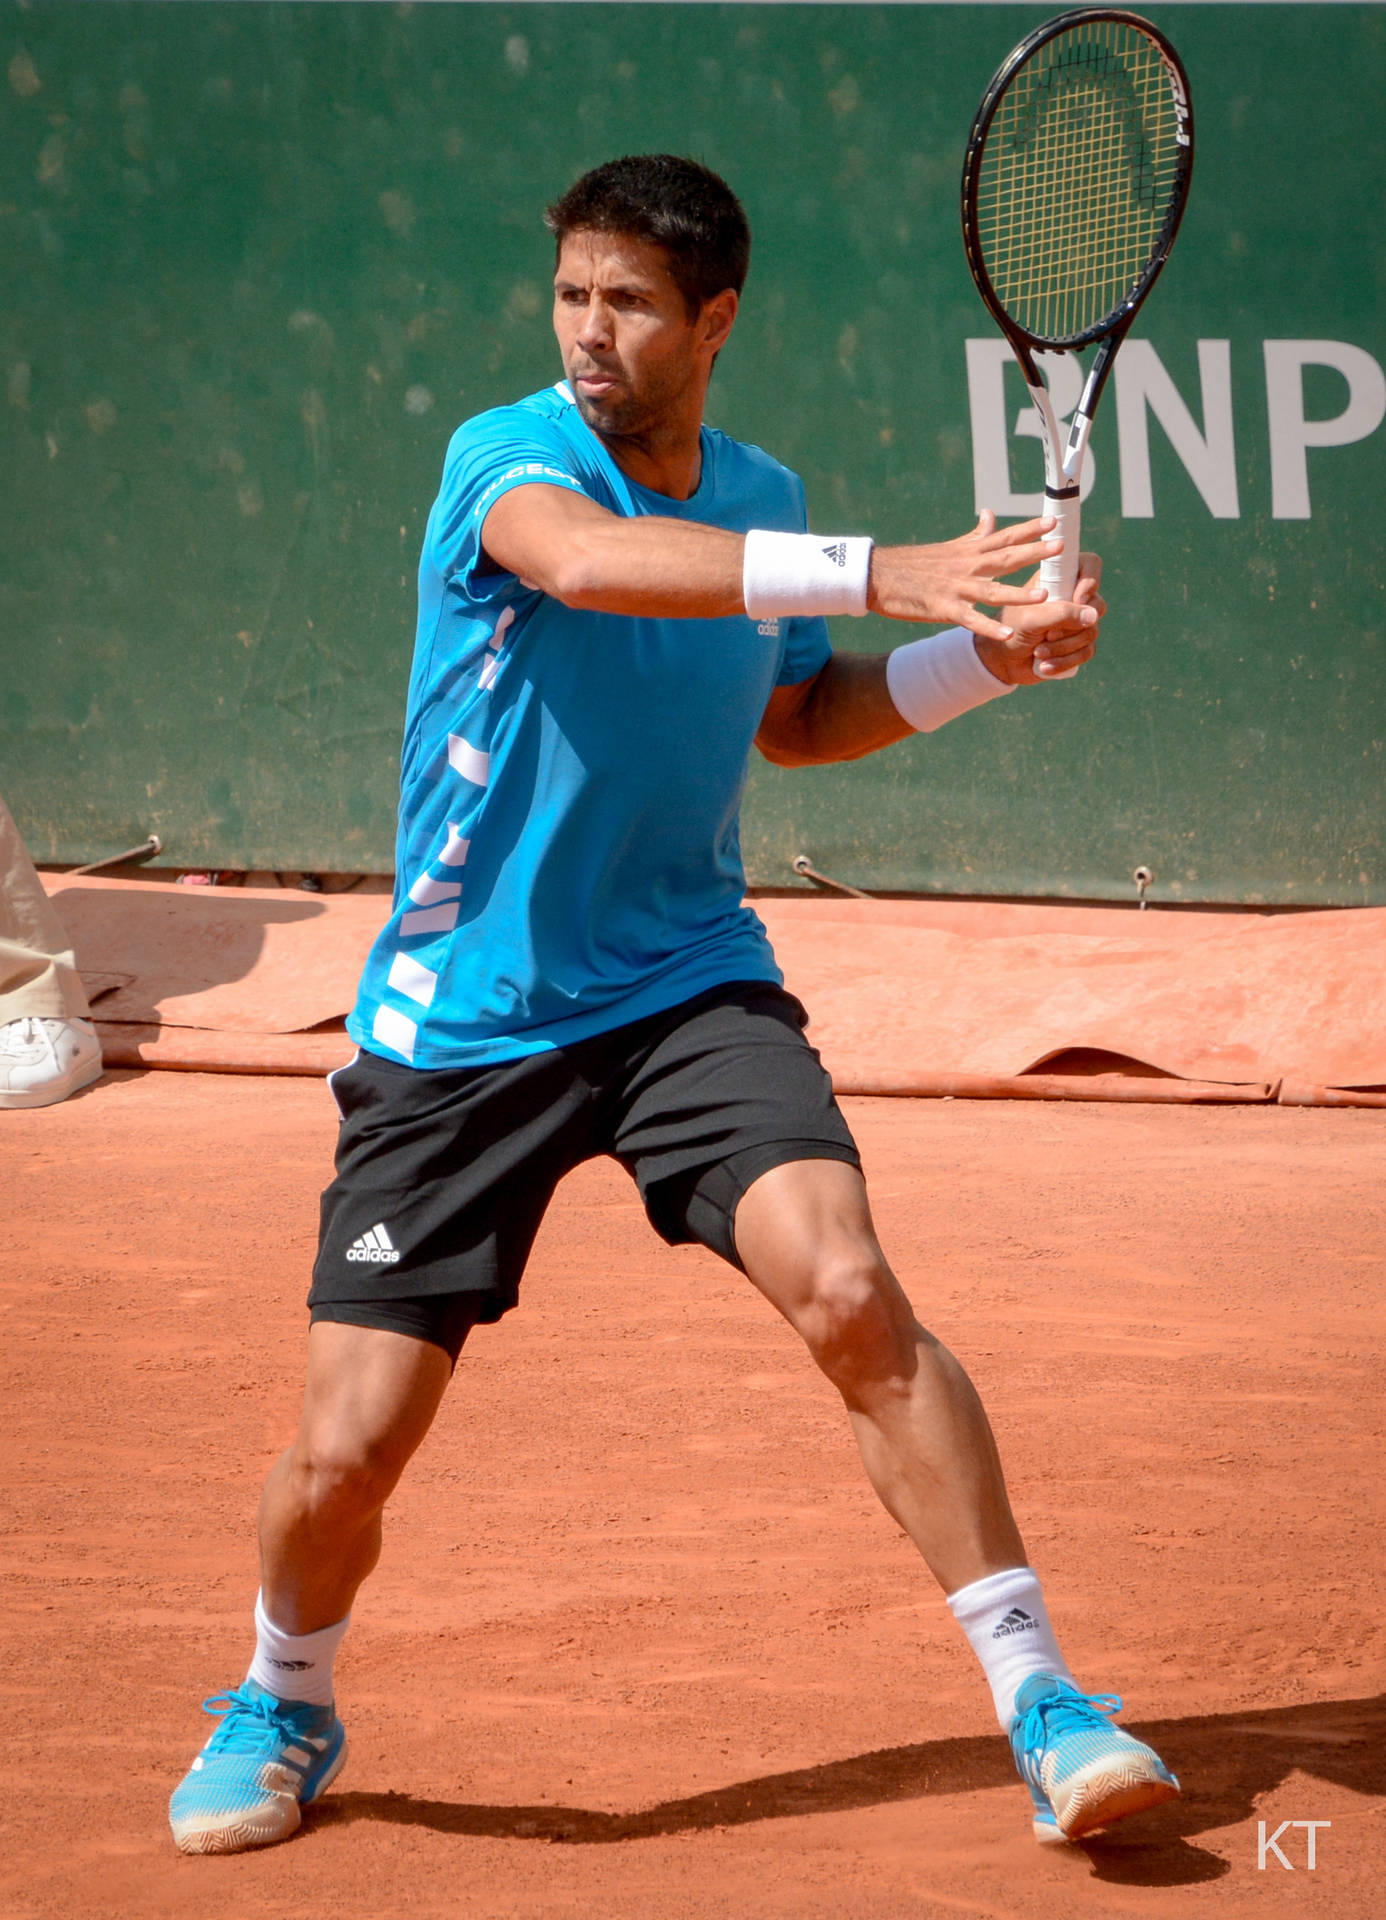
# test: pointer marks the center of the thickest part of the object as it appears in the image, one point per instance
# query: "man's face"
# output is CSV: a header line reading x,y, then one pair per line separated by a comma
x,y
632,355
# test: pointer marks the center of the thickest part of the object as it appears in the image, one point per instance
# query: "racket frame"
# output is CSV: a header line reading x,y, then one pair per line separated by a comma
x,y
1063,460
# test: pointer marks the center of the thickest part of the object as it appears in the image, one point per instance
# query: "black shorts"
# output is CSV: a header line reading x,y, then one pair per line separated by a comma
x,y
444,1174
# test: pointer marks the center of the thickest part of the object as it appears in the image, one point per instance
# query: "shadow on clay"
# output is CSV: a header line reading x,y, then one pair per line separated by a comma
x,y
1226,1761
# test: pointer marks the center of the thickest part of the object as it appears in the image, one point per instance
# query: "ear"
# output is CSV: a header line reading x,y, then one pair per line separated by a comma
x,y
716,319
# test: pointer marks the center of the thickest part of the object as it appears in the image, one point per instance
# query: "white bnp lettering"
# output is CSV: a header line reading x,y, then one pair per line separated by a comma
x,y
1144,387
1209,458
987,361
1291,433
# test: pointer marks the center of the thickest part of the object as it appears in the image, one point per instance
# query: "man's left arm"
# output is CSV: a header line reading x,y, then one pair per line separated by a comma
x,y
847,709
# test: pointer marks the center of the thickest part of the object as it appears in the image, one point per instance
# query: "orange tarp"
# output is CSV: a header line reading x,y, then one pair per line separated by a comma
x,y
906,996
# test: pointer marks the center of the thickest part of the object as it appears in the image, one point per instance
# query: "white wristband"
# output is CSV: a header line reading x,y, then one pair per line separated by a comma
x,y
805,573
934,680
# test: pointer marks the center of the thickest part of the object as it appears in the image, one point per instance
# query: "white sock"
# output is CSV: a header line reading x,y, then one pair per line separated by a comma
x,y
1005,1618
295,1666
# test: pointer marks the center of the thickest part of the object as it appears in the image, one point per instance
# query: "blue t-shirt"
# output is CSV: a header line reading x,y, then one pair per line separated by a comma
x,y
567,858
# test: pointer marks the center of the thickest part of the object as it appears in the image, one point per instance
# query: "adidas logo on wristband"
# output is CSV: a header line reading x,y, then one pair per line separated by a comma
x,y
837,553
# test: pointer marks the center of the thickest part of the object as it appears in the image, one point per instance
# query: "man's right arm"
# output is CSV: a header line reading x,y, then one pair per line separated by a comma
x,y
579,553
569,547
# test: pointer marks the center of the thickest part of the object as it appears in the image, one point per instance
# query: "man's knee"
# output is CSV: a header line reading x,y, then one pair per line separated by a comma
x,y
341,1476
855,1321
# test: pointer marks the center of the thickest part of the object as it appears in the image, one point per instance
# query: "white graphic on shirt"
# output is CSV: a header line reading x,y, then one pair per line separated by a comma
x,y
469,761
490,667
454,854
435,899
428,892
430,920
396,1031
409,977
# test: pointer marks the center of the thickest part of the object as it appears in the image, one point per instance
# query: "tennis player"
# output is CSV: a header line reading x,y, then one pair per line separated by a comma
x,y
615,603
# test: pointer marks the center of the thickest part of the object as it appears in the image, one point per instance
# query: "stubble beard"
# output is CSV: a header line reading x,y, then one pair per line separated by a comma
x,y
628,416
616,421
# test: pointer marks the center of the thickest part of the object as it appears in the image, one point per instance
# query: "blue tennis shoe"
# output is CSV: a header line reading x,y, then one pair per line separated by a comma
x,y
266,1760
1082,1772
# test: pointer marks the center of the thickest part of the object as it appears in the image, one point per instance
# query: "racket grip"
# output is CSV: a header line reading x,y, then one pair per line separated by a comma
x,y
1059,574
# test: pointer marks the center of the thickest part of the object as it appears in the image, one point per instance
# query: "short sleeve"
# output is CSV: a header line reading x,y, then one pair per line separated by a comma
x,y
807,648
490,456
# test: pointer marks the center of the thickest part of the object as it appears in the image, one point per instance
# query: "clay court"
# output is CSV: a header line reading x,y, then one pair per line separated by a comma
x,y
642,1643
1105,1012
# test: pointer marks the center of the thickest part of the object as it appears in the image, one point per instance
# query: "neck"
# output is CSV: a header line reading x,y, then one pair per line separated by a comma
x,y
663,463
665,453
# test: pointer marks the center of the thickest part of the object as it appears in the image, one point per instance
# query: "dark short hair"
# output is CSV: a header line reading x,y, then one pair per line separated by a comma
x,y
677,204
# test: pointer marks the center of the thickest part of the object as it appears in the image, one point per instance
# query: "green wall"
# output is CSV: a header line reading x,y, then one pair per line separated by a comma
x,y
261,259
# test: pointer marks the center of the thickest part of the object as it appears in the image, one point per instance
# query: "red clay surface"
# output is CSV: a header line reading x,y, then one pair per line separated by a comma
x,y
642,1645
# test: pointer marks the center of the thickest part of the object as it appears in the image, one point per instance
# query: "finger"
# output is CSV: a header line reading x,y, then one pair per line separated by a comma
x,y
1047,622
1026,530
1064,650
1010,559
986,521
978,622
1059,646
1069,618
1068,663
994,594
1090,566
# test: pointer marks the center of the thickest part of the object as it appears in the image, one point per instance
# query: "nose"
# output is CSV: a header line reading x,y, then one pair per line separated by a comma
x,y
594,335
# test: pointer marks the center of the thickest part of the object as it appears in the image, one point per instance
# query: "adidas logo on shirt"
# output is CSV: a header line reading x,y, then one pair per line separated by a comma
x,y
837,553
375,1247
1015,1621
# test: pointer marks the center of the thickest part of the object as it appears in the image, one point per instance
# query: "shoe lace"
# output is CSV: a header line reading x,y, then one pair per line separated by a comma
x,y
17,1036
1060,1713
249,1721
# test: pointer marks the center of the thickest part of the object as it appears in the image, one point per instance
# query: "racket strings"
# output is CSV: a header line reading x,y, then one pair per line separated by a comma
x,y
1077,176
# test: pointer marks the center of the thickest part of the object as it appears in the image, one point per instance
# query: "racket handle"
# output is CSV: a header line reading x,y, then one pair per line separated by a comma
x,y
1059,574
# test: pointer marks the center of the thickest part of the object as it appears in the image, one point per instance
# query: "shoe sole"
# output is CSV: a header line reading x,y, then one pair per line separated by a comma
x,y
1109,1792
249,1832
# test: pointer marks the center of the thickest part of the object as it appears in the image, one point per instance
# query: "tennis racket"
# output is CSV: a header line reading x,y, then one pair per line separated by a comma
x,y
1076,176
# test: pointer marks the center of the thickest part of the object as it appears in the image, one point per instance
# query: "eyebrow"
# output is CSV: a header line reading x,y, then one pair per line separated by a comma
x,y
620,286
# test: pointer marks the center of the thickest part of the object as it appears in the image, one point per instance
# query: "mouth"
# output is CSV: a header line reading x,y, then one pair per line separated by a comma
x,y
594,384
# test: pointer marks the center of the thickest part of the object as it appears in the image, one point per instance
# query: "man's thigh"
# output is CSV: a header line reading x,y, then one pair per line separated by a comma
x,y
442,1179
726,1089
369,1395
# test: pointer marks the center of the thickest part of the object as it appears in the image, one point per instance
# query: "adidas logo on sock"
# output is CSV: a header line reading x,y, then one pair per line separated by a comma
x,y
837,553
1015,1622
375,1247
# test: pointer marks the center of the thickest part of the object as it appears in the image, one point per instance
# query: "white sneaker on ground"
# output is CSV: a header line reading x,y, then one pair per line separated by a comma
x,y
43,1061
